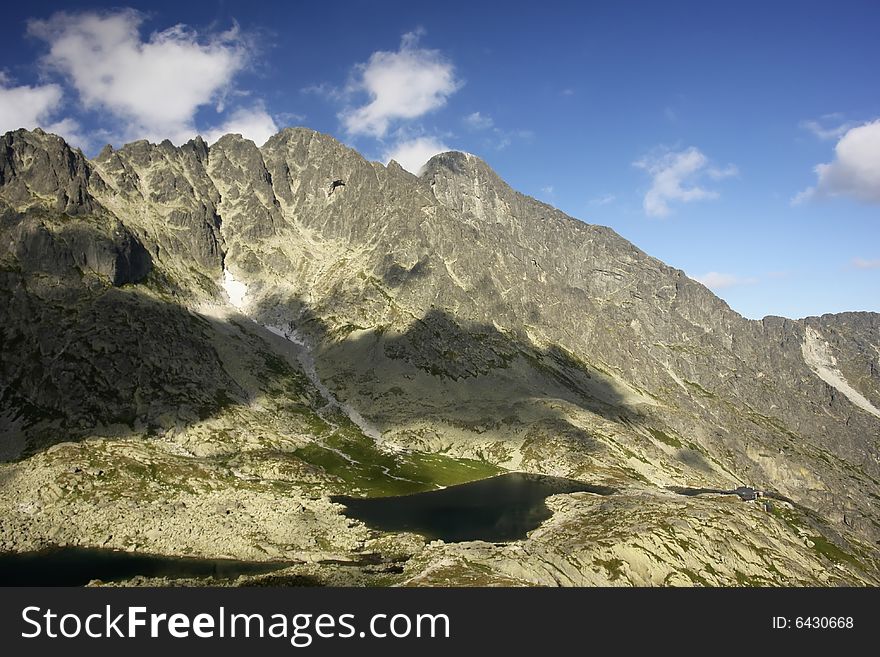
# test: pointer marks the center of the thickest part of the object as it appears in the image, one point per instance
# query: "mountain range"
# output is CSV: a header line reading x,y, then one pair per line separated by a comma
x,y
203,345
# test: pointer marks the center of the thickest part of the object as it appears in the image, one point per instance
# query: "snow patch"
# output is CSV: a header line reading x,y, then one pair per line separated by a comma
x,y
236,291
818,357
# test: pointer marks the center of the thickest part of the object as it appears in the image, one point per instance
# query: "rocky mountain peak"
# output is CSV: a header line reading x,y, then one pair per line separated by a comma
x,y
454,173
457,162
198,146
40,168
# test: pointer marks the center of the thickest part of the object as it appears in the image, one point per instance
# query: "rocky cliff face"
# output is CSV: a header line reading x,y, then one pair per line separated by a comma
x,y
444,314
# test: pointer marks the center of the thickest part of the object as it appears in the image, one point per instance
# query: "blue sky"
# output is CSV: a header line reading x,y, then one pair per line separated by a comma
x,y
737,141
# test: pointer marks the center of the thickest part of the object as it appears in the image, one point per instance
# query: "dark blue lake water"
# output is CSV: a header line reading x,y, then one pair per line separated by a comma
x,y
497,509
72,566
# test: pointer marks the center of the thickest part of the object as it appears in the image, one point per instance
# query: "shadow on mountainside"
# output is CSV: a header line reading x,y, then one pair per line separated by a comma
x,y
82,358
457,354
467,377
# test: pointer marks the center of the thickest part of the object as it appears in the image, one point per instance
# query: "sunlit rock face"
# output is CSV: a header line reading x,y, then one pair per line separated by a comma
x,y
234,333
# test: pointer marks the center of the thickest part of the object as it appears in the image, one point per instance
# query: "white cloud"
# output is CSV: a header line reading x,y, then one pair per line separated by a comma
x,y
828,126
153,87
27,107
478,121
71,131
718,281
675,176
855,170
863,263
33,107
405,84
251,123
413,154
548,190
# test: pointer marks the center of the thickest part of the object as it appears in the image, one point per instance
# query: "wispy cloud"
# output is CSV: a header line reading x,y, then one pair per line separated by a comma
x,y
803,196
478,121
504,138
493,136
855,169
603,200
864,263
401,85
828,126
290,118
718,281
729,171
325,90
676,176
